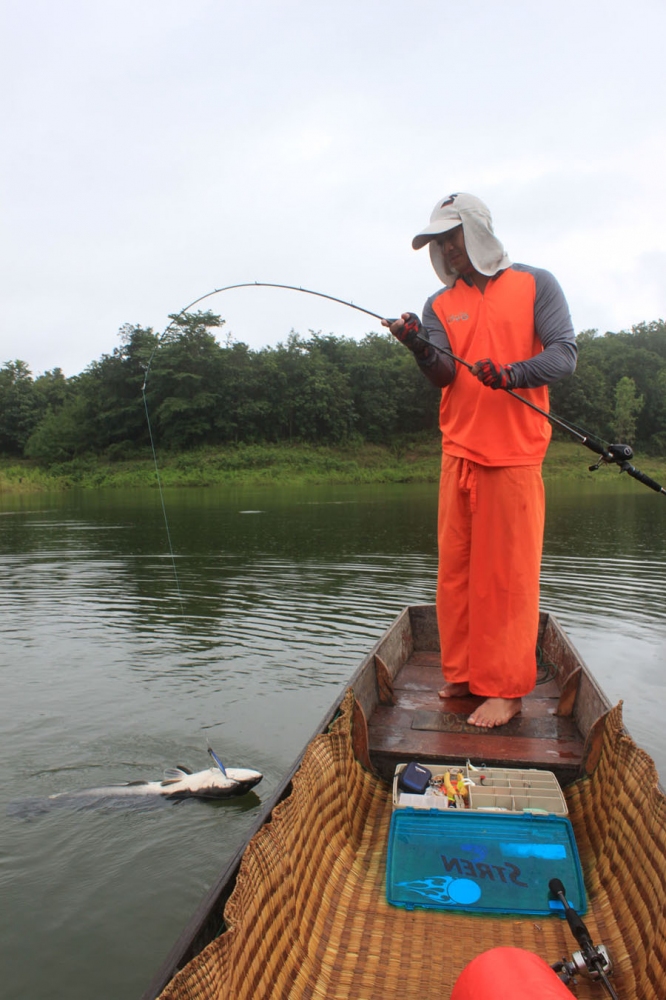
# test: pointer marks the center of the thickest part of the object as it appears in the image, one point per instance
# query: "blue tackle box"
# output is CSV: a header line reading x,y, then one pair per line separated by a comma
x,y
481,862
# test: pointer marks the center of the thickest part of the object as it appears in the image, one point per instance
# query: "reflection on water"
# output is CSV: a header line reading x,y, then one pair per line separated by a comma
x,y
601,593
111,673
603,576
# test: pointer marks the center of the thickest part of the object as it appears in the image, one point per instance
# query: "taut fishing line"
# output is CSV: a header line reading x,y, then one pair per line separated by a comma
x,y
176,317
609,454
161,492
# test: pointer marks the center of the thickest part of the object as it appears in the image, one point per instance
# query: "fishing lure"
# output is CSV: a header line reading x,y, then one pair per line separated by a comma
x,y
217,761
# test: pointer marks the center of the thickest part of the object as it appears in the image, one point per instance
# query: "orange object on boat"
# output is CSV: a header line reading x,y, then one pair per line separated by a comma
x,y
509,974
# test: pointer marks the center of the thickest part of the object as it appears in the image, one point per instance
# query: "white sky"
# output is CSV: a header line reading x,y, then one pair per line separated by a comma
x,y
153,150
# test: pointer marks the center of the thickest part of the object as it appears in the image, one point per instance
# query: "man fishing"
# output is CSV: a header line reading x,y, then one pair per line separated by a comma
x,y
512,323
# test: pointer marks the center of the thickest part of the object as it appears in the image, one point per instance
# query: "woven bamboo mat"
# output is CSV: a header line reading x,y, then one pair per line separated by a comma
x,y
309,919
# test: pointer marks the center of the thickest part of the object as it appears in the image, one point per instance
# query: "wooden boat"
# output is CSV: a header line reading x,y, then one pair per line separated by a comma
x,y
301,911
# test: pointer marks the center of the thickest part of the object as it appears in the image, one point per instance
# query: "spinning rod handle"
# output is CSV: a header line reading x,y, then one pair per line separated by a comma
x,y
596,447
576,925
442,350
641,477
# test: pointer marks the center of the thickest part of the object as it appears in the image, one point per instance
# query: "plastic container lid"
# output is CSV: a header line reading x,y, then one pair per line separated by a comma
x,y
482,862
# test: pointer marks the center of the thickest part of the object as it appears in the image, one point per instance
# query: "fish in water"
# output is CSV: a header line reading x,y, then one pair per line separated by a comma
x,y
178,783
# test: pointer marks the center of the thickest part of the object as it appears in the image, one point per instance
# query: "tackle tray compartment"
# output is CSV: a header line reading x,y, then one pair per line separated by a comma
x,y
496,789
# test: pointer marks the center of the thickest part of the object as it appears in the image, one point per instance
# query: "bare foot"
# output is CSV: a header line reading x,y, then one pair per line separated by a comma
x,y
460,690
495,712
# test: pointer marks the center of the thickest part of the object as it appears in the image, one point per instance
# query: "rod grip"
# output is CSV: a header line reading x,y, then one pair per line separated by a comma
x,y
642,478
595,446
576,925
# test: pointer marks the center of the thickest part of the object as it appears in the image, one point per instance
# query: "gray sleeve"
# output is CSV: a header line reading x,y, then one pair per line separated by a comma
x,y
554,329
439,368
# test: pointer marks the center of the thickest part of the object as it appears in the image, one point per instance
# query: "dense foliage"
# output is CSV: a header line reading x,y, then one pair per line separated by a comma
x,y
325,389
618,390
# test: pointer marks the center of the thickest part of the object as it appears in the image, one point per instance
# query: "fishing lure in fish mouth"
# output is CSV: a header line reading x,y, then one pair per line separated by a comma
x,y
217,761
609,454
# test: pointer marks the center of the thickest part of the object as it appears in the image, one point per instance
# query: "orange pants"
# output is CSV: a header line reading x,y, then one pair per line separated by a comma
x,y
509,974
490,539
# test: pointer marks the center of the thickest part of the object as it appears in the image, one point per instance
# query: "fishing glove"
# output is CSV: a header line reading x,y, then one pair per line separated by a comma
x,y
494,375
410,335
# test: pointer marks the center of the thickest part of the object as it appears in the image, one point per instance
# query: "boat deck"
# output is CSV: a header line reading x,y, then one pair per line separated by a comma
x,y
309,916
411,721
314,869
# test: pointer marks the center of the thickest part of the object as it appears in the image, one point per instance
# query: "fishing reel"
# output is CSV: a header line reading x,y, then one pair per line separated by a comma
x,y
613,454
568,970
619,454
592,960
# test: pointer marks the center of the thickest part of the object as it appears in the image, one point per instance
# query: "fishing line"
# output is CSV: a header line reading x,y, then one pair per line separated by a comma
x,y
161,492
174,320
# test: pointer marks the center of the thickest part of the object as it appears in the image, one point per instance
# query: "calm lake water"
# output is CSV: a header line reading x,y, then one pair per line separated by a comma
x,y
110,675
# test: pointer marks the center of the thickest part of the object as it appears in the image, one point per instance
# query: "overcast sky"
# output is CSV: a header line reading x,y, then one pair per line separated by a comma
x,y
153,150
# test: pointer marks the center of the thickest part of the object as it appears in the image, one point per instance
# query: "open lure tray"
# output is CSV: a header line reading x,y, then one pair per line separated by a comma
x,y
490,789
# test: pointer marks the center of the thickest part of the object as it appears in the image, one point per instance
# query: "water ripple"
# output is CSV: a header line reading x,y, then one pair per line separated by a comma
x,y
110,671
605,592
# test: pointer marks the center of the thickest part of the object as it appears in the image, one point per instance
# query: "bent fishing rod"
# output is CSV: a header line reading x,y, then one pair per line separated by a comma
x,y
609,454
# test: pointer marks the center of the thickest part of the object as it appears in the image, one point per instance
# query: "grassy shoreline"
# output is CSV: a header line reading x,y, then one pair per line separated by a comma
x,y
297,464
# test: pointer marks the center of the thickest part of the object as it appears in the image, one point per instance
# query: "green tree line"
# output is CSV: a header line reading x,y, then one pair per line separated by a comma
x,y
319,388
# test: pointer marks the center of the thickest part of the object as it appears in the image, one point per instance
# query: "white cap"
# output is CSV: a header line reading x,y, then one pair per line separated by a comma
x,y
483,248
